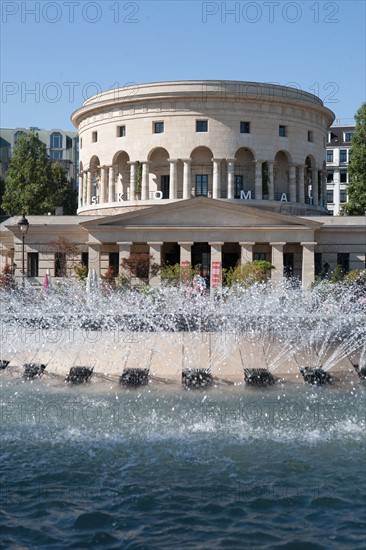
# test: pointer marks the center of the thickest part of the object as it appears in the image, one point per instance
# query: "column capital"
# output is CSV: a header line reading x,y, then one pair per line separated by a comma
x,y
96,246
173,160
246,243
157,243
216,160
120,243
278,244
302,166
186,243
259,161
216,244
132,162
187,160
309,244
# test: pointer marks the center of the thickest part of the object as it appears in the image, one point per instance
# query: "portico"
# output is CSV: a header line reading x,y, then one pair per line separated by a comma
x,y
210,233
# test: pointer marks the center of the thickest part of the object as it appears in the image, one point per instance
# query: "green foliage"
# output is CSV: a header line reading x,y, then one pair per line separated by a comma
x,y
248,274
33,184
356,276
356,189
81,272
338,274
122,281
2,191
138,178
173,275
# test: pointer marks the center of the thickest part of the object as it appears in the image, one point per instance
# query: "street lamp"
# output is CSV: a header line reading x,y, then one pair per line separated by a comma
x,y
23,225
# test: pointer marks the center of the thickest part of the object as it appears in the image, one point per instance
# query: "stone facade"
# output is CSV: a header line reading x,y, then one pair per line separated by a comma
x,y
234,141
196,172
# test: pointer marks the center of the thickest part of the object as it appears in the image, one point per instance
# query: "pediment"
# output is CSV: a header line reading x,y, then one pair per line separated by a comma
x,y
201,212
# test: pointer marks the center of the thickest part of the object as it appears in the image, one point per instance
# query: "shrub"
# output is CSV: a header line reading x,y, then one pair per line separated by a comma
x,y
173,275
81,271
257,271
6,279
139,265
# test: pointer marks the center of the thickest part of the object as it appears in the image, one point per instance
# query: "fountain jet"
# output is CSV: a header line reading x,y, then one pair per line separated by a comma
x,y
134,377
196,378
33,370
79,375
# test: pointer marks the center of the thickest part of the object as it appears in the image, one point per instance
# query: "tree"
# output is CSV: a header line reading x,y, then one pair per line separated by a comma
x,y
34,184
140,265
66,256
356,205
2,191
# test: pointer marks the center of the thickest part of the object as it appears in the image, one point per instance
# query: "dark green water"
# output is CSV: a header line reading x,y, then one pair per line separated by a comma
x,y
102,467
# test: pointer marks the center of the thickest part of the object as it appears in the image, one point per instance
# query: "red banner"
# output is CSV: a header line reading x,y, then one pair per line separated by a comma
x,y
216,274
185,272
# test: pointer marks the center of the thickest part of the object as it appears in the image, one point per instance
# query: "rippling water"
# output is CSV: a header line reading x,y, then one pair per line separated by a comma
x,y
100,467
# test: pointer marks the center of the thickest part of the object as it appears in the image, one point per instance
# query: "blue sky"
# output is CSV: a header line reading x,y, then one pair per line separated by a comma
x,y
54,54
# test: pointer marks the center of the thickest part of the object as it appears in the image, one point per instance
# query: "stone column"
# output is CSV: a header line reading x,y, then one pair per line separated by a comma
x,y
173,183
94,257
246,252
185,252
301,183
185,260
277,261
186,178
336,192
124,249
145,181
132,180
292,182
230,178
216,265
111,185
81,190
155,252
103,184
89,187
258,180
216,178
308,275
270,181
314,186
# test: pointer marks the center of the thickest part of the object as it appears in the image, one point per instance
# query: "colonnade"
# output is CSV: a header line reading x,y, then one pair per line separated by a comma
x,y
295,189
246,255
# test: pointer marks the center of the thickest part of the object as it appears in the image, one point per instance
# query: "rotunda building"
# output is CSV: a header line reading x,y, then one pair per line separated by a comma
x,y
208,173
241,142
